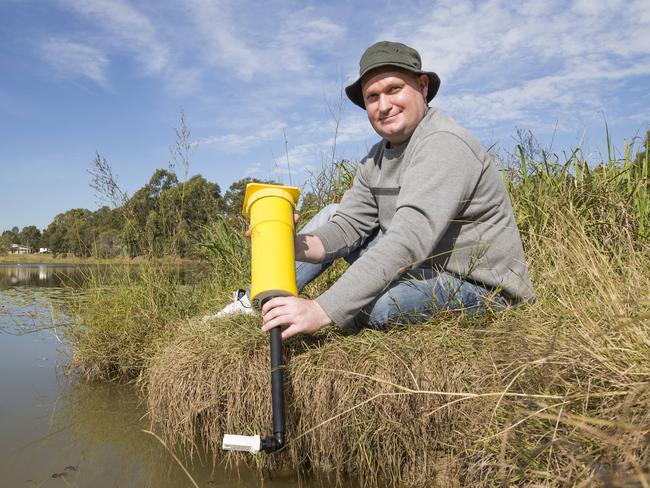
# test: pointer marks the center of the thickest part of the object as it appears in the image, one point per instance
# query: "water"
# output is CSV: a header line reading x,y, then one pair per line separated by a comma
x,y
55,431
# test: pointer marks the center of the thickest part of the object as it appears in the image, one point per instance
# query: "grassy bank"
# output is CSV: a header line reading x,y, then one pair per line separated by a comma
x,y
554,393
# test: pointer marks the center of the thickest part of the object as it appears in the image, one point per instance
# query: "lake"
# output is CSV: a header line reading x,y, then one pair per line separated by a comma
x,y
55,431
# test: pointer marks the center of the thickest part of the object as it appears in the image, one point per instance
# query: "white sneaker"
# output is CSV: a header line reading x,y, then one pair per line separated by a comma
x,y
240,304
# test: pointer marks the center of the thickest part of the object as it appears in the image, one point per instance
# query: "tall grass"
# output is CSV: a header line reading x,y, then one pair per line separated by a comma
x,y
553,393
326,187
124,314
609,197
227,251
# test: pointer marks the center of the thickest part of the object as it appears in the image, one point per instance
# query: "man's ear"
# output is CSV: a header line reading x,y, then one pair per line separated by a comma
x,y
424,85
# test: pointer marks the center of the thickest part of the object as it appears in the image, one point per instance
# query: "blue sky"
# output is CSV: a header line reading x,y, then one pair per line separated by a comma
x,y
79,76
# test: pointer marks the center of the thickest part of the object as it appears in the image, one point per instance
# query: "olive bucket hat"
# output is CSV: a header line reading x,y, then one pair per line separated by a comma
x,y
387,53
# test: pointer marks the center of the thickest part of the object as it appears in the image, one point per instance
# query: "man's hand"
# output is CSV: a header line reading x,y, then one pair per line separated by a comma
x,y
299,315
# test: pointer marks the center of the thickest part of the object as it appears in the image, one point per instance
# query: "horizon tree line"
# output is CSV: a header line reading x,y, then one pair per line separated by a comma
x,y
164,217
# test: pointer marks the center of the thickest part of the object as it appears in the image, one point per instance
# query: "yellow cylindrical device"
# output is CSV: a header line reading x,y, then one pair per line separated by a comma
x,y
270,210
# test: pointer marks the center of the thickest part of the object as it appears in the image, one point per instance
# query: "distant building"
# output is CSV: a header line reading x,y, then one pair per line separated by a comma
x,y
44,250
18,249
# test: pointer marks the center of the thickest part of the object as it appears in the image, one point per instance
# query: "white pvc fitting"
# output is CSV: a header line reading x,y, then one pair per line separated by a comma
x,y
244,443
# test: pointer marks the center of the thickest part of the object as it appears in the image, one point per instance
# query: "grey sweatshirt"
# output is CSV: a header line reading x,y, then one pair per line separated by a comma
x,y
440,202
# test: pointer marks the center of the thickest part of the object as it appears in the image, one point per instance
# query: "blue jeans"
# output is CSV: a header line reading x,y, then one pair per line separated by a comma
x,y
416,296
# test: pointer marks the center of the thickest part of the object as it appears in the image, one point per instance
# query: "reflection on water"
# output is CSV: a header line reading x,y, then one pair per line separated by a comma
x,y
39,275
58,432
54,431
75,276
95,438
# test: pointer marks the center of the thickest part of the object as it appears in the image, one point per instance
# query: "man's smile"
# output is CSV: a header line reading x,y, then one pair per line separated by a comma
x,y
389,117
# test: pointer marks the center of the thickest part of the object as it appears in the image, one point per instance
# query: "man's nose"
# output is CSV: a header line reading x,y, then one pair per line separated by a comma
x,y
384,103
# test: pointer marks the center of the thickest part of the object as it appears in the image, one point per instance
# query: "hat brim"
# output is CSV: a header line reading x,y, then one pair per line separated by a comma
x,y
355,94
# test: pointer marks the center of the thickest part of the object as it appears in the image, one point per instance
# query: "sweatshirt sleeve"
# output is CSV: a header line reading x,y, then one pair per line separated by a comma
x,y
355,218
438,180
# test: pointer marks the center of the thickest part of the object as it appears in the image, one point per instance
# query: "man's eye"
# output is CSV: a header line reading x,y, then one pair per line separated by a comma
x,y
395,89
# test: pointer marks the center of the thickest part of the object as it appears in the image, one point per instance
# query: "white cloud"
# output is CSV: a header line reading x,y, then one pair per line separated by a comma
x,y
299,35
531,63
468,35
254,169
200,44
218,41
239,140
501,63
127,28
355,127
273,43
184,81
73,60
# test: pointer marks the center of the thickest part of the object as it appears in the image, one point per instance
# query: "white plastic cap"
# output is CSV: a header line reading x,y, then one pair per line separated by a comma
x,y
245,443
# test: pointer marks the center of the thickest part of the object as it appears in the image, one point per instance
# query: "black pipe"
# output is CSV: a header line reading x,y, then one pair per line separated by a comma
x,y
276,441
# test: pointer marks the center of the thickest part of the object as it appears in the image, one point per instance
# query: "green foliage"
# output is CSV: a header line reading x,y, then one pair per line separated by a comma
x,y
162,216
81,232
30,236
121,319
327,187
233,200
108,244
638,182
228,252
7,238
70,233
611,197
159,219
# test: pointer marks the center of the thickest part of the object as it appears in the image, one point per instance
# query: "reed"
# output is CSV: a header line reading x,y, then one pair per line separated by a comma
x,y
122,316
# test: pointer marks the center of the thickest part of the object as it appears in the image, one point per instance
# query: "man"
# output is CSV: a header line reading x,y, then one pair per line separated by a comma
x,y
426,226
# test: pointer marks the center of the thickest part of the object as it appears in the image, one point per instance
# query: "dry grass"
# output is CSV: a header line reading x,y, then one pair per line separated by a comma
x,y
551,394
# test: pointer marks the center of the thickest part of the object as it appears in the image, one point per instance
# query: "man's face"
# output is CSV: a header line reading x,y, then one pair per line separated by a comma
x,y
395,102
